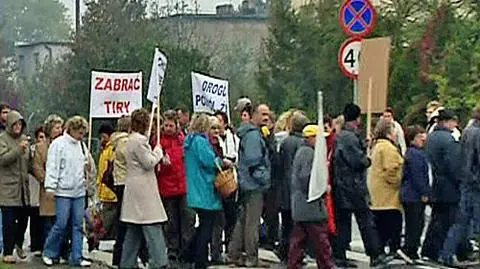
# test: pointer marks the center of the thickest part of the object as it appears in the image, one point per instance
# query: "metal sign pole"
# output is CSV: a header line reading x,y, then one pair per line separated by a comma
x,y
355,92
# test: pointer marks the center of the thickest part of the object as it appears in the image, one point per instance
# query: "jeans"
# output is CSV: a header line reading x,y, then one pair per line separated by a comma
x,y
180,227
198,248
389,227
245,234
225,221
67,208
15,221
157,250
443,217
1,233
317,234
48,222
469,209
414,224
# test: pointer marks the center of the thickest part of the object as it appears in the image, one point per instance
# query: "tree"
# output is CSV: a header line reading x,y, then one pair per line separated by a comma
x,y
116,36
33,20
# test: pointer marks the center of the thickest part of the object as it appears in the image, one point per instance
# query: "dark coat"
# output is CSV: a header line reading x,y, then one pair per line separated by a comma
x,y
415,183
303,211
471,154
443,153
350,164
288,149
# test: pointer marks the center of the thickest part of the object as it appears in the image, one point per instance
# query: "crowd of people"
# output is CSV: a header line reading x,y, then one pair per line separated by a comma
x,y
160,203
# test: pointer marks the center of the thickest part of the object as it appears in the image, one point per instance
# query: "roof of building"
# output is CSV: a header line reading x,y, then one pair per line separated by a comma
x,y
39,43
226,17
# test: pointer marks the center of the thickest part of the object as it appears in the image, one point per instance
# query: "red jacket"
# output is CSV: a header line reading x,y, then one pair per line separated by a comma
x,y
171,178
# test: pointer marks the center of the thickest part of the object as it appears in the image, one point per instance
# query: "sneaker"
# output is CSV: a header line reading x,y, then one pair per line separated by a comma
x,y
405,257
47,261
37,253
20,253
380,260
85,263
10,259
63,261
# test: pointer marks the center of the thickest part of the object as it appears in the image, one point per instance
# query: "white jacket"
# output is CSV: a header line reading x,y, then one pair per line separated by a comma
x,y
65,168
230,145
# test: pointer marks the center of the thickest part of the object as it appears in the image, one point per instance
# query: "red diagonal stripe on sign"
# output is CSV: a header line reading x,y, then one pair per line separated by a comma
x,y
358,16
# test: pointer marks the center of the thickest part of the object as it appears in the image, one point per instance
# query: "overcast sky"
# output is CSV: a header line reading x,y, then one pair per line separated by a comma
x,y
206,6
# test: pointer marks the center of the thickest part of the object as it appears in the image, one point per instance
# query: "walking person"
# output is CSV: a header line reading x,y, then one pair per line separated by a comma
x,y
68,166
310,217
254,180
201,165
142,207
172,186
384,181
288,149
443,153
4,109
469,206
415,190
14,189
350,189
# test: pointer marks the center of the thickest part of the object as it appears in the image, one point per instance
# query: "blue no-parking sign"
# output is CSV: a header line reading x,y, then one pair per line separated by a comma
x,y
358,18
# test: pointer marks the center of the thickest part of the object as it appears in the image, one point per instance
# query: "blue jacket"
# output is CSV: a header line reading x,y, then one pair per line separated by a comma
x,y
200,163
415,176
445,159
253,161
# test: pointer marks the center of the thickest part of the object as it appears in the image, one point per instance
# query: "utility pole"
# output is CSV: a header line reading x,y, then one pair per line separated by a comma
x,y
77,16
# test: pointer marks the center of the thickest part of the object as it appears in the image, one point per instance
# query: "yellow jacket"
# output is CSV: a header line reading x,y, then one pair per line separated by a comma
x,y
385,176
105,193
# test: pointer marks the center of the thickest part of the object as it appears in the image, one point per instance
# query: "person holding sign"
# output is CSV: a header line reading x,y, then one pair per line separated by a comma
x,y
310,218
142,207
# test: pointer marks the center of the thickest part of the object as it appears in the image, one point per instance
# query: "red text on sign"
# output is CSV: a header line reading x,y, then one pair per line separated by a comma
x,y
117,107
107,84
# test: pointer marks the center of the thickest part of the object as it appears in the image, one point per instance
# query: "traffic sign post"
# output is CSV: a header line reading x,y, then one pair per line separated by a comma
x,y
358,19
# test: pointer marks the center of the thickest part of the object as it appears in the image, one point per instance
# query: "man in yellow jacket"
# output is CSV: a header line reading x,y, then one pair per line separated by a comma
x,y
105,179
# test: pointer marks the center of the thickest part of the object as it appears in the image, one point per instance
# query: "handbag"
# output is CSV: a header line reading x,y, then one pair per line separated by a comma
x,y
225,183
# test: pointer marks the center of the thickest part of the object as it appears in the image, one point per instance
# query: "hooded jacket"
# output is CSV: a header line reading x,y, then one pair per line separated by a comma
x,y
253,161
171,177
14,165
119,142
201,166
65,172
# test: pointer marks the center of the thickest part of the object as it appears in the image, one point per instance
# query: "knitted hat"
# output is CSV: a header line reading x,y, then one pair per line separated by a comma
x,y
106,128
351,112
242,103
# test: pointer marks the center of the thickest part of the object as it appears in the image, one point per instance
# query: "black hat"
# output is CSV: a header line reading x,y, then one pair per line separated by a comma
x,y
106,128
351,112
447,114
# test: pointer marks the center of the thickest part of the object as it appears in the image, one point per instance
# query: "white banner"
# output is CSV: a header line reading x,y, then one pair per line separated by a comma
x,y
156,76
115,94
209,94
319,175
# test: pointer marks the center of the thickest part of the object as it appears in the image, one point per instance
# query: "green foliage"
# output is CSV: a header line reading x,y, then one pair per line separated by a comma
x,y
33,20
435,55
116,36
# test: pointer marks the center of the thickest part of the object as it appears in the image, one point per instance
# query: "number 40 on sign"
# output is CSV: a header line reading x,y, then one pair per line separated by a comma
x,y
348,57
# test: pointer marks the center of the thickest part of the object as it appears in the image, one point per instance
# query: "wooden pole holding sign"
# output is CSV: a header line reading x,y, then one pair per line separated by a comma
x,y
369,114
158,120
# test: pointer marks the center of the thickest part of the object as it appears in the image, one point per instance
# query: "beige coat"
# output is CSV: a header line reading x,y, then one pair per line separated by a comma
x,y
141,201
14,166
385,176
119,142
47,203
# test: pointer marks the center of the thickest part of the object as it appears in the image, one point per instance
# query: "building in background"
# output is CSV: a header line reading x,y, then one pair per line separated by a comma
x,y
30,57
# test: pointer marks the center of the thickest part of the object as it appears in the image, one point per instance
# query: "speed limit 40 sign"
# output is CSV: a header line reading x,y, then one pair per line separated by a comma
x,y
348,57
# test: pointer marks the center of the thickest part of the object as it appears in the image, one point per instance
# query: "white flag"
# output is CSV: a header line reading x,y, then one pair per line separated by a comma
x,y
156,76
319,175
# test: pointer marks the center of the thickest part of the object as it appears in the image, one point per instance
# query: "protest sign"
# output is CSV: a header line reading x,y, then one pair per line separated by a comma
x,y
209,94
156,76
115,94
